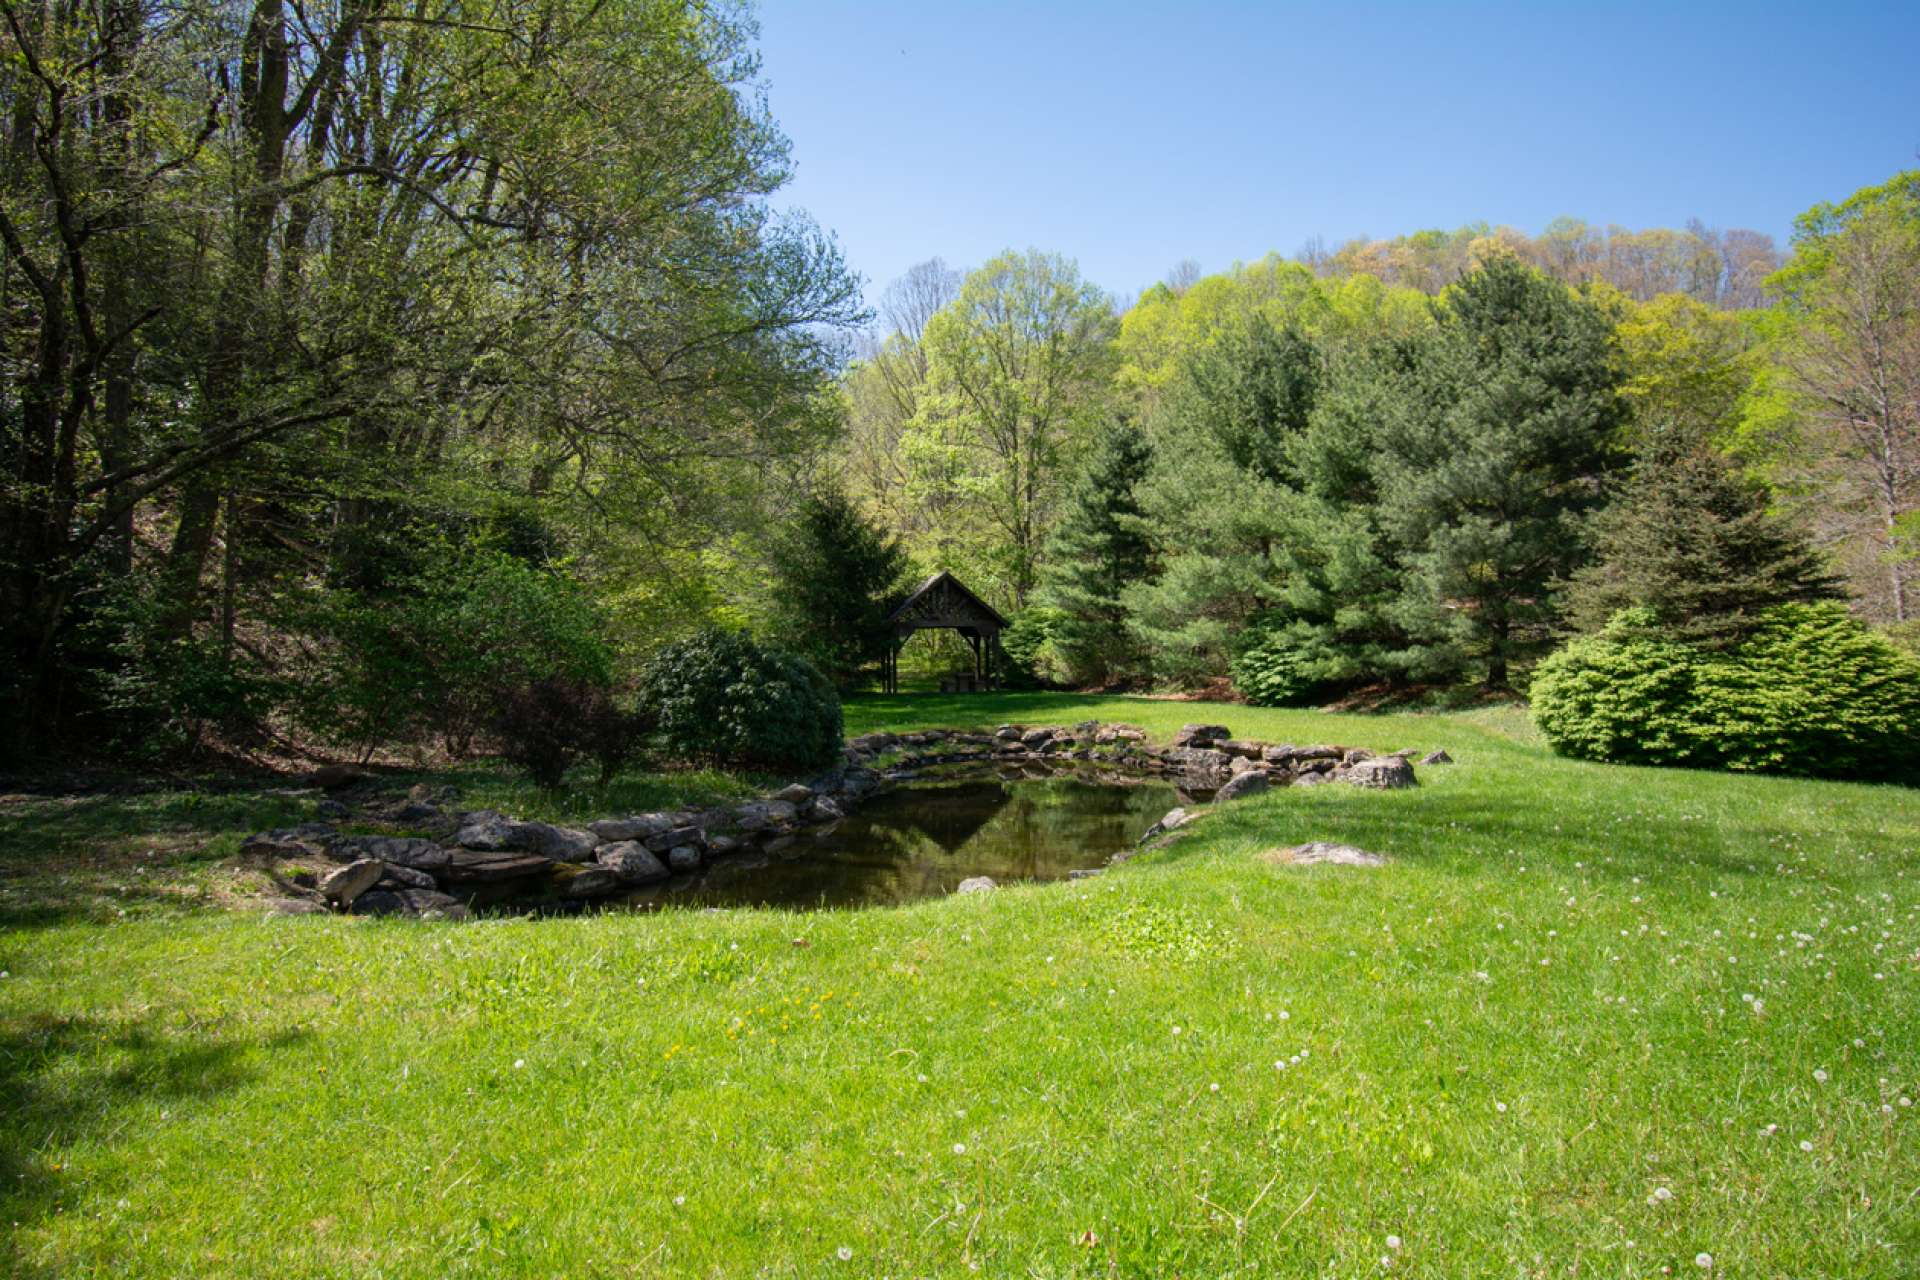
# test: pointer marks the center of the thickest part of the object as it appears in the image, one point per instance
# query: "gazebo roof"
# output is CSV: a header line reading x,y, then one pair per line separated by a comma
x,y
944,601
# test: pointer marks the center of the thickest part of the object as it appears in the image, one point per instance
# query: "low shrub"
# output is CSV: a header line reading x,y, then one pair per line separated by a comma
x,y
1809,691
546,726
1269,672
437,657
718,696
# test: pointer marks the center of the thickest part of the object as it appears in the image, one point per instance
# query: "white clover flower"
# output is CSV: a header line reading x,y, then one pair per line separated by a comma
x,y
1805,1145
1704,1261
959,1148
1819,1075
1662,1194
1500,1107
843,1253
1393,1242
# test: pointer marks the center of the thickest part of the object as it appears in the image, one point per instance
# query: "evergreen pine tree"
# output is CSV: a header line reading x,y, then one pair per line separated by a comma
x,y
1491,464
835,576
1216,493
1099,546
1688,539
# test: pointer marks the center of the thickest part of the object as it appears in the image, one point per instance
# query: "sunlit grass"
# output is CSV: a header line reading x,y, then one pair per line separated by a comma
x,y
1592,1021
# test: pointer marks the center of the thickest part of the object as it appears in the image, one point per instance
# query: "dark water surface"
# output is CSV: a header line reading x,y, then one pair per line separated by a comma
x,y
923,838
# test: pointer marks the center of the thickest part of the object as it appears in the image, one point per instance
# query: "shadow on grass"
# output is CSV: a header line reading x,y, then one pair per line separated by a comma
x,y
96,856
69,1079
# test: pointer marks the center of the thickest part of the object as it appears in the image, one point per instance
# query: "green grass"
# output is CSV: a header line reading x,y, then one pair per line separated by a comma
x,y
1525,1049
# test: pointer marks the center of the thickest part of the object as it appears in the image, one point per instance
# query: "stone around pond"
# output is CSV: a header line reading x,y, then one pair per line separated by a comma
x,y
1198,735
1245,784
632,862
425,903
1436,757
638,827
344,884
976,884
483,866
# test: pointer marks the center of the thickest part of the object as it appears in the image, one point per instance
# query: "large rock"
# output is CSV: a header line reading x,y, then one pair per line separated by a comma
x,y
486,866
686,835
1202,761
637,827
797,794
399,877
1240,747
825,810
1198,735
425,903
683,857
1119,733
400,851
632,862
977,884
486,831
344,884
562,844
1245,784
1036,738
1174,819
1283,753
1385,773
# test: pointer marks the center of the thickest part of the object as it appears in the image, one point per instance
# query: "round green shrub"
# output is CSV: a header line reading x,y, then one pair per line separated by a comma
x,y
718,696
1811,691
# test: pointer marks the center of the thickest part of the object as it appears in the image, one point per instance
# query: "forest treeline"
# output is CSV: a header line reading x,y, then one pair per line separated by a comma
x,y
330,332
364,365
1410,462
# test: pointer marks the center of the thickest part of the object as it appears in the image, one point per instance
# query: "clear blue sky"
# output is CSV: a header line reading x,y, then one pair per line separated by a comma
x,y
1130,136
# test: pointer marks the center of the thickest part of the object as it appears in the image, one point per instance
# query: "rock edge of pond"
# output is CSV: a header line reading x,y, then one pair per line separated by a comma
x,y
481,856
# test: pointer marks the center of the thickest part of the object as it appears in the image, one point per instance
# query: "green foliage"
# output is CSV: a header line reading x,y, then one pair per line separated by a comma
x,y
835,576
718,696
1030,645
1017,369
1689,540
1810,691
1271,672
1098,548
1495,451
436,657
1215,500
542,728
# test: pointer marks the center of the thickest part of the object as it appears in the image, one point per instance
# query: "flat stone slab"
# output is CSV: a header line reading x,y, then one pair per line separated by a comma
x,y
468,865
1323,852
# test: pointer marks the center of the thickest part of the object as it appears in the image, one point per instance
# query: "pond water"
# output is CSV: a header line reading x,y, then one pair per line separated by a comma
x,y
921,839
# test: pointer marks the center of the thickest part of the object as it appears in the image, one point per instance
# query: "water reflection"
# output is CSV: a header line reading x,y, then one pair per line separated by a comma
x,y
922,839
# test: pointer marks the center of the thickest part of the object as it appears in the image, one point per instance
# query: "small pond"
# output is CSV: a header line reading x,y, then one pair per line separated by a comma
x,y
922,838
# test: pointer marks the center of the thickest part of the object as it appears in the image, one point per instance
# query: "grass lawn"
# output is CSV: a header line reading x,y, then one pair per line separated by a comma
x,y
1593,1021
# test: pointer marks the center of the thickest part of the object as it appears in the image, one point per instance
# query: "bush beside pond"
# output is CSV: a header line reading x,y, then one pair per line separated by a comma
x,y
1811,691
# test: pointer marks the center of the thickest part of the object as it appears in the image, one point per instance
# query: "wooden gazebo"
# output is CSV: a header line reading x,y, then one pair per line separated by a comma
x,y
942,602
